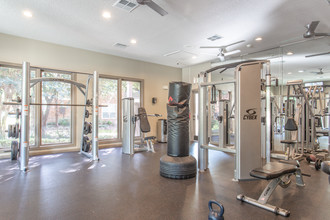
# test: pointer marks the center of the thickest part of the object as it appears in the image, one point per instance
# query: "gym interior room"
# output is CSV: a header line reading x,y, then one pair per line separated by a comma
x,y
164,109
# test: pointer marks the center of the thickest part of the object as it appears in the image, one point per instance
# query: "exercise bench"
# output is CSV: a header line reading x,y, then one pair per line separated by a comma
x,y
145,128
279,174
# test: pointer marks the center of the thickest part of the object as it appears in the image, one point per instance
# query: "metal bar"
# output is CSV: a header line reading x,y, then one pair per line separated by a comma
x,y
223,149
264,197
299,178
52,79
86,154
128,126
84,116
237,124
82,91
217,83
307,116
328,128
268,207
95,140
313,130
307,103
222,124
268,113
233,65
25,118
303,131
16,103
202,133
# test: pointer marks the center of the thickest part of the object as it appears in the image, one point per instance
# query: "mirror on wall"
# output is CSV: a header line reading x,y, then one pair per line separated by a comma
x,y
307,60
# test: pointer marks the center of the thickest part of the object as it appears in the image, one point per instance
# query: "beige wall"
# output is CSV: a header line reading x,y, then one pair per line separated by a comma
x,y
16,50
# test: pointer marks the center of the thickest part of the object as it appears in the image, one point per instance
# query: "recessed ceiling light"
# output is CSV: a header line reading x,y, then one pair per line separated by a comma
x,y
258,39
249,45
289,53
27,14
300,71
194,57
289,73
133,41
106,14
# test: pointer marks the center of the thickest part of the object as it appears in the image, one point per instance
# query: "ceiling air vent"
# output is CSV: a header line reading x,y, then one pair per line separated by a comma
x,y
125,5
119,45
214,37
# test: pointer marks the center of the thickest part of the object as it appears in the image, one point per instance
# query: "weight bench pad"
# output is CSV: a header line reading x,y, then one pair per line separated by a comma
x,y
288,141
144,123
150,138
273,170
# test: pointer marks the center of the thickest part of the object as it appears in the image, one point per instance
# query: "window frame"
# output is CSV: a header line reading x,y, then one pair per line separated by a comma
x,y
73,115
74,133
119,105
17,66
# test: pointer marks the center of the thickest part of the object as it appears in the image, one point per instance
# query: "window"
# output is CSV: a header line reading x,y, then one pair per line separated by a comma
x,y
10,88
56,121
133,89
53,123
108,120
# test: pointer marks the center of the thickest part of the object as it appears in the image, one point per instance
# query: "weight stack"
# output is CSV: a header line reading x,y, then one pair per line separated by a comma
x,y
178,164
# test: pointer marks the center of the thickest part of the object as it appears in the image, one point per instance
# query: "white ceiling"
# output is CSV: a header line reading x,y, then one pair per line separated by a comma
x,y
79,23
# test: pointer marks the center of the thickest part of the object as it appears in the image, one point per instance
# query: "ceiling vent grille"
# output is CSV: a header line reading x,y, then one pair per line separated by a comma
x,y
119,45
214,37
125,5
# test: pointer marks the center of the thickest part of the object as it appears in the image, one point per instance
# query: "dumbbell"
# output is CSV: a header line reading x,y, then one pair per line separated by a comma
x,y
314,160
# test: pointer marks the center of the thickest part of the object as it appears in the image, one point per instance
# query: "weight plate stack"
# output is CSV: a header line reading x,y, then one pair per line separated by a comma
x,y
10,130
14,150
86,144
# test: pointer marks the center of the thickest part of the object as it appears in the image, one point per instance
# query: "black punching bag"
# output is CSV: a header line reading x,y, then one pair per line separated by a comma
x,y
178,119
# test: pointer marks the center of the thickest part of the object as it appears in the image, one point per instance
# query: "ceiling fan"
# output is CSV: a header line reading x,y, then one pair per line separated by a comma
x,y
320,72
318,54
223,52
153,6
311,30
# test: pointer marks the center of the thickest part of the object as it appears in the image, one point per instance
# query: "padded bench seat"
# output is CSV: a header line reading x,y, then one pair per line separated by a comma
x,y
288,141
273,170
279,174
150,138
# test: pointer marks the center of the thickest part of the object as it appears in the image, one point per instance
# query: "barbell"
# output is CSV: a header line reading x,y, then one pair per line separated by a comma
x,y
16,103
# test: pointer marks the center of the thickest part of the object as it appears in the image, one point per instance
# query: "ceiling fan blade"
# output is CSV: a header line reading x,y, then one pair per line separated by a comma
x,y
311,29
228,53
312,26
319,54
238,42
172,53
156,8
208,54
322,34
210,47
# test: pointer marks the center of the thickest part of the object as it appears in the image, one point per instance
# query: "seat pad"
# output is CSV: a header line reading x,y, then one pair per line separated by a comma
x,y
273,170
144,123
288,141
